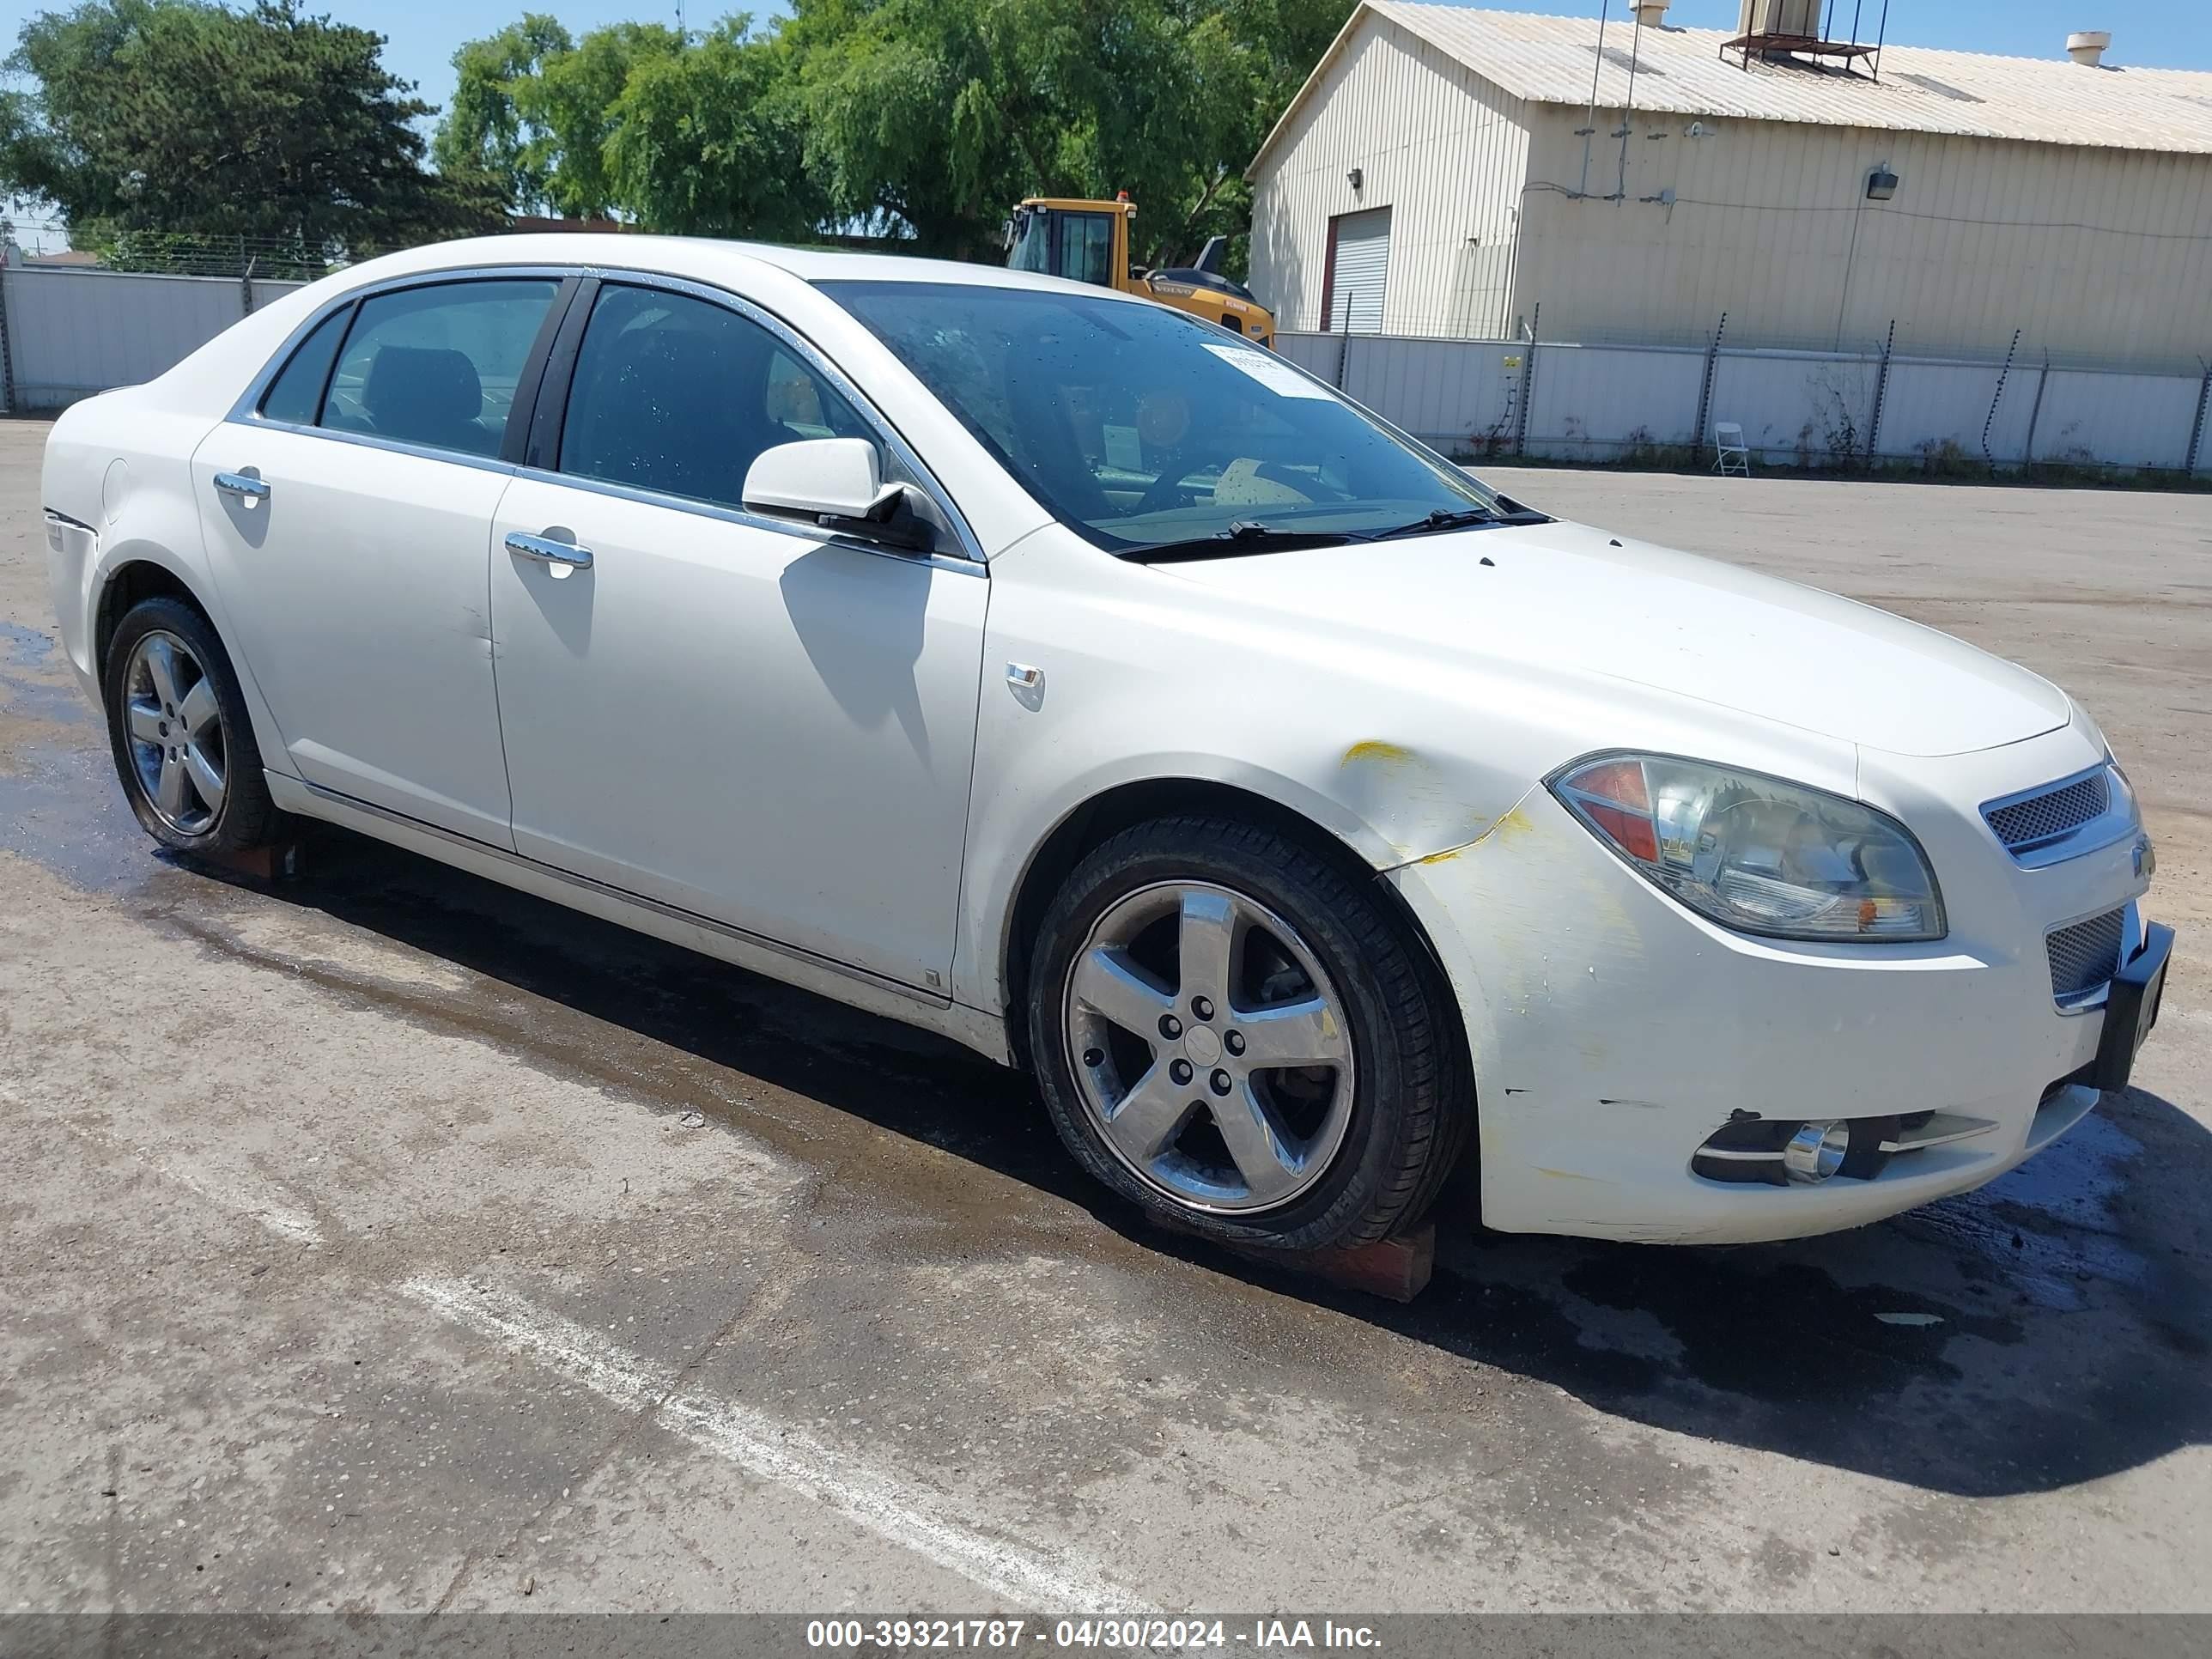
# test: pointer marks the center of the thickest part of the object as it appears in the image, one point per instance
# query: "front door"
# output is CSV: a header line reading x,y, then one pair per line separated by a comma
x,y
771,728
349,524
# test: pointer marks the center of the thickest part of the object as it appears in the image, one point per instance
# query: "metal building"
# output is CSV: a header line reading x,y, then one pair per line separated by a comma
x,y
1446,171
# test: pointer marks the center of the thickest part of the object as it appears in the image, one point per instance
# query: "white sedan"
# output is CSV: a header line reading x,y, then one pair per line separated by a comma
x,y
1057,672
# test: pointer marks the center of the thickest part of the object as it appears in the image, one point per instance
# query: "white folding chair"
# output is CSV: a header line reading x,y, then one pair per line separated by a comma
x,y
1730,453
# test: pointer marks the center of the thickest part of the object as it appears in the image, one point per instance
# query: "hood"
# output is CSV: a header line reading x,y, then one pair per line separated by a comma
x,y
1565,597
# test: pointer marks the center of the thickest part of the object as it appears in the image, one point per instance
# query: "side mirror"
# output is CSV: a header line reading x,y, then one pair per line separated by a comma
x,y
837,483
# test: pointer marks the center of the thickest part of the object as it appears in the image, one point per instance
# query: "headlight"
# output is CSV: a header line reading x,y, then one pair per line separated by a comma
x,y
1758,854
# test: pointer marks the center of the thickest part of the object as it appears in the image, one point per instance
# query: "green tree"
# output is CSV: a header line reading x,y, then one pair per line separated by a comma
x,y
708,141
933,117
166,116
568,105
946,112
482,130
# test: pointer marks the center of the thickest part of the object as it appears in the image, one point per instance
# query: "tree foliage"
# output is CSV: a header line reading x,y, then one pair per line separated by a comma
x,y
149,117
933,117
483,131
926,119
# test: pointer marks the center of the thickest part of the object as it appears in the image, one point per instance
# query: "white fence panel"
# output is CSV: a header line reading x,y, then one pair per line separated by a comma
x,y
72,332
1937,409
2134,420
1448,392
1445,391
1796,408
267,291
1599,403
1315,353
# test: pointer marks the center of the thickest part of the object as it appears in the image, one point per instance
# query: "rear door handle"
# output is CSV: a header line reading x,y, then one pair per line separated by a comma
x,y
250,490
545,548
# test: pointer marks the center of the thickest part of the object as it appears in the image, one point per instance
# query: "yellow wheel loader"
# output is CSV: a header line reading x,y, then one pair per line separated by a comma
x,y
1089,242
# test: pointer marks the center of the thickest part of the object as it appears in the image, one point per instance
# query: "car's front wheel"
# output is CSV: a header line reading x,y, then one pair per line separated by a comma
x,y
1237,1036
177,724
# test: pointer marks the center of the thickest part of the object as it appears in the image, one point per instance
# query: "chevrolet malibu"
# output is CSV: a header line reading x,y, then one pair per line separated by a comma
x,y
1082,682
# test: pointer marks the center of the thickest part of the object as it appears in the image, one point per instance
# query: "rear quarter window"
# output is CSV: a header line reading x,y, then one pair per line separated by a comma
x,y
296,394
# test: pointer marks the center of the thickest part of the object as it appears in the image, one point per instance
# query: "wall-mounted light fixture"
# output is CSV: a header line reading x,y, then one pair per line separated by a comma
x,y
1357,177
1882,183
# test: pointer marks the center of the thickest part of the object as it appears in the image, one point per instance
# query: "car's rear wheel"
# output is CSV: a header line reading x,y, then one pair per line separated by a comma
x,y
184,747
1230,1031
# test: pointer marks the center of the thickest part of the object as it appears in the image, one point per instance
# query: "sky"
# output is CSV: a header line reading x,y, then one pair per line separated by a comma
x,y
2169,33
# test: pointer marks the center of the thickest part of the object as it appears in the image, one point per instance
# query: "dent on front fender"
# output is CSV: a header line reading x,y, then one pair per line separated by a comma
x,y
1419,803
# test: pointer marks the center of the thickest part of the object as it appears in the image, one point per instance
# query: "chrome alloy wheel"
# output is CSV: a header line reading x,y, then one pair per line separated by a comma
x,y
1209,1047
175,732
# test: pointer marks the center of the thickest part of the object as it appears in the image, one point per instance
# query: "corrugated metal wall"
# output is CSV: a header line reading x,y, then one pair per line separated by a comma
x,y
2091,253
2098,257
1441,147
73,331
1605,402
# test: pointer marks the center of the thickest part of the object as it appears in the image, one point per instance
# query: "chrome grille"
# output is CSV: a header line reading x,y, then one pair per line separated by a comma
x,y
2028,823
2085,956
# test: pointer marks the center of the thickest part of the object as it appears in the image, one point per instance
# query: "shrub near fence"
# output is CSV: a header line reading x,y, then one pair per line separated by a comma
x,y
1614,403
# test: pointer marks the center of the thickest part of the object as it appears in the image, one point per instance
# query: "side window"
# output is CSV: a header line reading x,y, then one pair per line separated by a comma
x,y
1086,248
296,394
679,396
438,365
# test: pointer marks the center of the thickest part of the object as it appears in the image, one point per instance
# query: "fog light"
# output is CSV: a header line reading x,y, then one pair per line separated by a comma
x,y
1816,1151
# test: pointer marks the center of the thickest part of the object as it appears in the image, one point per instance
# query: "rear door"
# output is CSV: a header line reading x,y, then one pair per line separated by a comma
x,y
348,518
1357,272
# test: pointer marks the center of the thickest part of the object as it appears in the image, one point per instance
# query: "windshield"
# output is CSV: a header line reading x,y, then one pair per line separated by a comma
x,y
1031,249
1142,429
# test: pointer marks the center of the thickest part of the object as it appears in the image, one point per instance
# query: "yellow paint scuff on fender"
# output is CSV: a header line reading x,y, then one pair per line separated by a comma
x,y
1378,752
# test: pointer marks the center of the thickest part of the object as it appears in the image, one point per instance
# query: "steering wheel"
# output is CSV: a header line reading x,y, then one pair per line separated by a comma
x,y
1166,489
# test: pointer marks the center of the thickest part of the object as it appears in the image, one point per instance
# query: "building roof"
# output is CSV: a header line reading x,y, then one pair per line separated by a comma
x,y
2053,101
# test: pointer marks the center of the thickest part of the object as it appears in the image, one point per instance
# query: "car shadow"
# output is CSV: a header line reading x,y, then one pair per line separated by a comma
x,y
2049,1329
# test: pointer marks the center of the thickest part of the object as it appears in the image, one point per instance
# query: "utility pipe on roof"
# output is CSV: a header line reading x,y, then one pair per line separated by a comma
x,y
1628,109
1590,120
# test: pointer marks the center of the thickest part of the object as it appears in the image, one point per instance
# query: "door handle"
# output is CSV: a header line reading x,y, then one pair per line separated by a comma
x,y
250,491
546,550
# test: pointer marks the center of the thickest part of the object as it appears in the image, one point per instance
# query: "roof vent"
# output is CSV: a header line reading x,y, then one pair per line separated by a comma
x,y
2087,46
1652,14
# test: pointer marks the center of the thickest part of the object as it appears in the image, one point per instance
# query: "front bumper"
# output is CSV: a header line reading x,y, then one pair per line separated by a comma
x,y
1612,1031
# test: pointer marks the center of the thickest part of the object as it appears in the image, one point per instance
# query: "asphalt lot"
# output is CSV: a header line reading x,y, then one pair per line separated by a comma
x,y
360,1256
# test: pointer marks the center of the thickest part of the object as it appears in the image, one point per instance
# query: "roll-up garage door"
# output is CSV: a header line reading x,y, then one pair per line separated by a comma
x,y
1359,264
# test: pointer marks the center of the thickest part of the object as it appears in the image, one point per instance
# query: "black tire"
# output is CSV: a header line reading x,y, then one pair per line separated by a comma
x,y
1413,1104
247,818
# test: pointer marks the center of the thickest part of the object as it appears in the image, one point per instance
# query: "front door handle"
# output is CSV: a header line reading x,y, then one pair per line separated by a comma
x,y
545,548
250,490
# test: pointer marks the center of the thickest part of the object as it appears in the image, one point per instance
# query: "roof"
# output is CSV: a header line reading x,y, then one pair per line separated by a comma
x,y
2054,101
705,258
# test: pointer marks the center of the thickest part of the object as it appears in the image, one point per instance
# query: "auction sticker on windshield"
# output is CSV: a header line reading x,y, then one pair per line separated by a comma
x,y
1269,370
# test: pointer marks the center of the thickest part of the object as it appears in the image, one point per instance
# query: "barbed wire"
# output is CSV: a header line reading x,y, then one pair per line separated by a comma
x,y
194,253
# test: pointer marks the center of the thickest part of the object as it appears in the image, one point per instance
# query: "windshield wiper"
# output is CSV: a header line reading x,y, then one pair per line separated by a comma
x,y
1462,517
1245,536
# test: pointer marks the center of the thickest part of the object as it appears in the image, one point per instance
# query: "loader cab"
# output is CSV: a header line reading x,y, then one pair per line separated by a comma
x,y
1088,241
1082,242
